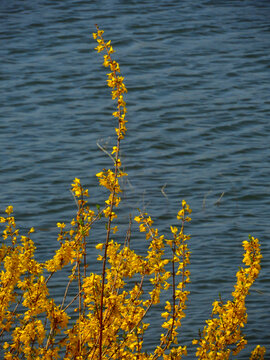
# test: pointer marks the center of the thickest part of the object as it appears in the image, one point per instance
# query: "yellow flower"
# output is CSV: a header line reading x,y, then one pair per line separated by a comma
x,y
9,210
100,174
61,225
100,32
99,246
115,229
142,228
174,229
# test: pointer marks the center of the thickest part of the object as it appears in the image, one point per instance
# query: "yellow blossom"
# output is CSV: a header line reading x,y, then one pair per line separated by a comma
x,y
113,302
99,246
9,210
61,225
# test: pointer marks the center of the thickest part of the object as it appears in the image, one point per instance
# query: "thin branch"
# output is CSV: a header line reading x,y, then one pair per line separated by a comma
x,y
105,151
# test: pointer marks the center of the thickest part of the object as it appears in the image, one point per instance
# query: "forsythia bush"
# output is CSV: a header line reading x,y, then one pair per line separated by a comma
x,y
111,310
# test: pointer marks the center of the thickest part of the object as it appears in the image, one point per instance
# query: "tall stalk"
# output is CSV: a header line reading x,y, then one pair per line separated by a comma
x,y
116,83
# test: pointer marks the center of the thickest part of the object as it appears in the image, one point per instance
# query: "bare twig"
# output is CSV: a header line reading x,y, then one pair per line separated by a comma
x,y
105,151
218,201
163,192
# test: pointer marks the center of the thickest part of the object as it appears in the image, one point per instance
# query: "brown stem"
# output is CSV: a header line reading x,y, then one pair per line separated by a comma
x,y
66,291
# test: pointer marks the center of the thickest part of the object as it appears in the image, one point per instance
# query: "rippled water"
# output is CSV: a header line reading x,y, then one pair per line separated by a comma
x,y
198,109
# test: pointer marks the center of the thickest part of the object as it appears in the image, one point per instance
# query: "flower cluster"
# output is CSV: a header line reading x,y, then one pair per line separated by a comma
x,y
115,82
23,286
224,328
102,315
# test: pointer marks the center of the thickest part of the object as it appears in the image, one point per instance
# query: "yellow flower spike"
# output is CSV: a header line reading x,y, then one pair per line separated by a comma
x,y
232,315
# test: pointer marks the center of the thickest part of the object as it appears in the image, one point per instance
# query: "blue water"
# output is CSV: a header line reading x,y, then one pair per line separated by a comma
x,y
198,108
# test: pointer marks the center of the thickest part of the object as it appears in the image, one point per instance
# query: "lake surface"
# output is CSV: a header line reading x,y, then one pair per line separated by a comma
x,y
199,123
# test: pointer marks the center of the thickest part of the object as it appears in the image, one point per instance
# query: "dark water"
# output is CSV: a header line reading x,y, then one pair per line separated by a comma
x,y
198,108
